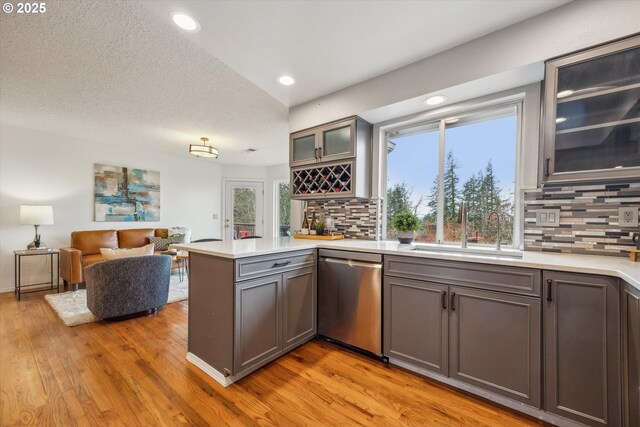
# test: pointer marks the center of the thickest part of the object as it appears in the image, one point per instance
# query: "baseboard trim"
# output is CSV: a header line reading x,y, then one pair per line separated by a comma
x,y
210,370
501,400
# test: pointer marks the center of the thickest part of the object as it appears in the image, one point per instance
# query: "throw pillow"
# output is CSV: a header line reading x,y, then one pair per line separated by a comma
x,y
162,243
109,253
181,230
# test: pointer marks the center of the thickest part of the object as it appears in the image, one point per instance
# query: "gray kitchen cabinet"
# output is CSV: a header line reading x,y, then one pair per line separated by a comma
x,y
247,312
494,342
591,114
299,319
489,339
258,322
338,140
582,347
631,355
416,323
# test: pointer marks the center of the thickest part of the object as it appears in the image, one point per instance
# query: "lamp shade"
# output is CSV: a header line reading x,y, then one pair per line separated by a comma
x,y
36,215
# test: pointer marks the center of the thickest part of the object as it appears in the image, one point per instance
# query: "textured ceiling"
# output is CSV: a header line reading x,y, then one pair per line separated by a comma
x,y
330,45
110,72
119,72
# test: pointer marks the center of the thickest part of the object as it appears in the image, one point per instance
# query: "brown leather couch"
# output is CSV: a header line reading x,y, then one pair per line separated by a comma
x,y
85,248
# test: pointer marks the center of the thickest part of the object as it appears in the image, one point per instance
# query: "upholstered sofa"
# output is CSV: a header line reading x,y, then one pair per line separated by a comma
x,y
85,248
127,286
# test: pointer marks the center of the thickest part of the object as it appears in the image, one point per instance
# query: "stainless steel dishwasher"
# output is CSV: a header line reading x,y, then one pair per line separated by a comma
x,y
350,299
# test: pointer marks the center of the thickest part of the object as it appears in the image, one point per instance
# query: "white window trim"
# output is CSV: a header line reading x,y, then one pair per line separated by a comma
x,y
441,116
276,205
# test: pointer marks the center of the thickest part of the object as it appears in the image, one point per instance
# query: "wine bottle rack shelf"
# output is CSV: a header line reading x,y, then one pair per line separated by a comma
x,y
335,180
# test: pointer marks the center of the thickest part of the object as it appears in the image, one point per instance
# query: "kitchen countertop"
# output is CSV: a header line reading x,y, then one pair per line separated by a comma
x,y
590,264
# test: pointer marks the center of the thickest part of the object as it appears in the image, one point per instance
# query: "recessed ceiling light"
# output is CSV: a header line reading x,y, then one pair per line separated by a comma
x,y
435,100
561,119
286,80
564,93
185,22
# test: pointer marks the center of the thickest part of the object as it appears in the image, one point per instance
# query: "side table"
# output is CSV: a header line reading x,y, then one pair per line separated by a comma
x,y
18,255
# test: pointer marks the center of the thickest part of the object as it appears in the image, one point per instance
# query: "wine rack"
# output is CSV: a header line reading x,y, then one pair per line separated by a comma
x,y
326,180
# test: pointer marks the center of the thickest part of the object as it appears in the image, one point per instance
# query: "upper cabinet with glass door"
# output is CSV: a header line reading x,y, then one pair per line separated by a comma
x,y
592,114
330,142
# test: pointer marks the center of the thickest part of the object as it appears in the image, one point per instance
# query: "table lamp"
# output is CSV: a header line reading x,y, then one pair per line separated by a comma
x,y
36,215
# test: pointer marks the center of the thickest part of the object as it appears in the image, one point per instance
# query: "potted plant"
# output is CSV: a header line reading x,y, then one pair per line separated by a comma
x,y
405,223
320,226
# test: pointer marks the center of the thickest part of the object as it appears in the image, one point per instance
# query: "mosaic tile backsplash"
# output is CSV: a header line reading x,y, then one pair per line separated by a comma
x,y
357,219
588,219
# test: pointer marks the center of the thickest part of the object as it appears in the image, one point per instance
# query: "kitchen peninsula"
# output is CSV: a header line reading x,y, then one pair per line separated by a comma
x,y
251,301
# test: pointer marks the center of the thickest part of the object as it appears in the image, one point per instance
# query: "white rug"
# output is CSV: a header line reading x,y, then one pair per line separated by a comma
x,y
71,306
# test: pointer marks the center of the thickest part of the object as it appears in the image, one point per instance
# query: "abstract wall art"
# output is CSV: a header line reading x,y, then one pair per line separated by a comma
x,y
126,194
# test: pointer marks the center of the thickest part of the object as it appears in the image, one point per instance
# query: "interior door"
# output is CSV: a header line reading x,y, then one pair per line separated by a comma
x,y
244,209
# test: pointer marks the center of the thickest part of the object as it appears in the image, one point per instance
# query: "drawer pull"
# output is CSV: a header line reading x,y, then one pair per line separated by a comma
x,y
280,264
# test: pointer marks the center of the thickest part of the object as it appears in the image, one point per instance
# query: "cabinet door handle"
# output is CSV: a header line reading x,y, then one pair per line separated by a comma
x,y
453,301
444,300
549,289
315,153
547,163
280,264
320,152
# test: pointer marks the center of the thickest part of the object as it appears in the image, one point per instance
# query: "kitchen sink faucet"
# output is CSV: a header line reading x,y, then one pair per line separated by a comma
x,y
497,214
462,219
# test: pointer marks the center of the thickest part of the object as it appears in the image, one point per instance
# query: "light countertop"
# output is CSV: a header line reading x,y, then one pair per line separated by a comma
x,y
590,264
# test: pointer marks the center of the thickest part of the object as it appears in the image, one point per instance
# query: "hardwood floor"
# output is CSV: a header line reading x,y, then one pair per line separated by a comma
x,y
134,372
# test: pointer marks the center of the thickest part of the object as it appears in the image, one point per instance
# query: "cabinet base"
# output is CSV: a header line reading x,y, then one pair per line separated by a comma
x,y
225,381
501,400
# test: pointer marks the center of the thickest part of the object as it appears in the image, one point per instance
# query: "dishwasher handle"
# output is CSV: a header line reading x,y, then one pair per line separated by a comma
x,y
351,263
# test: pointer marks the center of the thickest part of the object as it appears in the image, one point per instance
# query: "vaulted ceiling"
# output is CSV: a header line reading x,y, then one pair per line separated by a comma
x,y
120,72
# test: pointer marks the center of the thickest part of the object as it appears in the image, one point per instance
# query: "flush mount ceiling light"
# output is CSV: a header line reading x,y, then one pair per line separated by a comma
x,y
435,100
286,80
203,150
185,22
564,93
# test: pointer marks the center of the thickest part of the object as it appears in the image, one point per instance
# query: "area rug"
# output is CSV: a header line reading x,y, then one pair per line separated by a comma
x,y
72,308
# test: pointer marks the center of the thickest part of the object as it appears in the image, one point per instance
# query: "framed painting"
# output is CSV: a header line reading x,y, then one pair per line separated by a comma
x,y
126,194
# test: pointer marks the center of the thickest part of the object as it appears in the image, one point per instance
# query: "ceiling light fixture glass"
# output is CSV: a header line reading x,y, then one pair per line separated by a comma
x,y
564,93
286,80
435,100
185,22
203,150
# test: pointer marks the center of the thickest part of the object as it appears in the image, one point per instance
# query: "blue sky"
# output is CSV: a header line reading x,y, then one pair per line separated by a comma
x,y
415,158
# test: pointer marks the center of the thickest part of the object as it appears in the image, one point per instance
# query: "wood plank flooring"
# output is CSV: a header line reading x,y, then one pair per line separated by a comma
x,y
134,373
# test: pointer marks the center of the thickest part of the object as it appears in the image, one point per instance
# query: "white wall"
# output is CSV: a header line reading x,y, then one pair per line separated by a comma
x,y
575,26
43,168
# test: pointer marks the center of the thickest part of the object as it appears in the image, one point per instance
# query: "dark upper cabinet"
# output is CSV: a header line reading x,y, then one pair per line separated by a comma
x,y
332,160
631,355
339,140
592,114
582,347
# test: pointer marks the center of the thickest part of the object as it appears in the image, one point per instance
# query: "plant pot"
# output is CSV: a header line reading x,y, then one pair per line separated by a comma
x,y
406,237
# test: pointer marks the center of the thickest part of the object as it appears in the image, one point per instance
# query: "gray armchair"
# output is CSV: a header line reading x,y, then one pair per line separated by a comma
x,y
121,287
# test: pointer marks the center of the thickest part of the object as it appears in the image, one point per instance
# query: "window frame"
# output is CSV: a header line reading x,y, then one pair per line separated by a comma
x,y
276,205
439,121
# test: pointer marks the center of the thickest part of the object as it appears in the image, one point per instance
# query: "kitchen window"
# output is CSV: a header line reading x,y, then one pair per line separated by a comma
x,y
282,209
434,165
